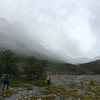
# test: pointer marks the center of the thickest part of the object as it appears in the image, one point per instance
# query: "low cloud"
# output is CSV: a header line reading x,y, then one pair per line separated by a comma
x,y
61,30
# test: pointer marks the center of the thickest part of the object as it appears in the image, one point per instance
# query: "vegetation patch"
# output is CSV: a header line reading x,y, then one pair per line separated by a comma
x,y
27,83
40,83
72,92
42,98
7,93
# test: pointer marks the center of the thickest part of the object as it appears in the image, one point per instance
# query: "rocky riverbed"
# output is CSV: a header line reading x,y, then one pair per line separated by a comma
x,y
74,79
63,87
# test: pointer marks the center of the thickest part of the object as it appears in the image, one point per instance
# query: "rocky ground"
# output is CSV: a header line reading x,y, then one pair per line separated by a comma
x,y
73,79
63,87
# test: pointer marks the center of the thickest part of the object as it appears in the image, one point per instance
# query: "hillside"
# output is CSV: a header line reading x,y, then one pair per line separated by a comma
x,y
92,66
68,69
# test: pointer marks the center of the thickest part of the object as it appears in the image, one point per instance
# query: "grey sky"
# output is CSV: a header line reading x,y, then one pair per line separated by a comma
x,y
65,29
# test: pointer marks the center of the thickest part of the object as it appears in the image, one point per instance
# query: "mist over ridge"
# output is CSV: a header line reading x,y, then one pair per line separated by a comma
x,y
61,30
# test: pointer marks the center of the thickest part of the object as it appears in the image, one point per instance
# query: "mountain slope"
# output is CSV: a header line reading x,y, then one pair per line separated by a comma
x,y
92,66
68,69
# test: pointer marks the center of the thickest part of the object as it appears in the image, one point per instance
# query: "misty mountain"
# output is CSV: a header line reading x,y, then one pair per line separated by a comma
x,y
10,39
81,60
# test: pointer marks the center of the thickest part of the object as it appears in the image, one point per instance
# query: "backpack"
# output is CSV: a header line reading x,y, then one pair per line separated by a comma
x,y
5,77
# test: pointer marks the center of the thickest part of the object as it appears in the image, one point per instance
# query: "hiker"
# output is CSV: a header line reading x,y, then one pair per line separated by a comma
x,y
5,80
48,80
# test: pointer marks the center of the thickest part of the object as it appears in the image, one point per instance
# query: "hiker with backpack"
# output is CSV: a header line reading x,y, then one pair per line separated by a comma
x,y
48,80
5,80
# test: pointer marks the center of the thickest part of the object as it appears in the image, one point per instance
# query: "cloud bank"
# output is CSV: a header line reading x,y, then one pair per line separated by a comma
x,y
62,30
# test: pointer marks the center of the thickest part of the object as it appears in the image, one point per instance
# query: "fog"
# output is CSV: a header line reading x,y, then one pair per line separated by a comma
x,y
66,31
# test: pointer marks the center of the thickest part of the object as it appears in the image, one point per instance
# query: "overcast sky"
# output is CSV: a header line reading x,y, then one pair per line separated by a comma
x,y
68,30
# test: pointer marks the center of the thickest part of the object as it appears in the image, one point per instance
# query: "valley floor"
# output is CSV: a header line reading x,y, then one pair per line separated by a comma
x,y
63,87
